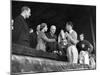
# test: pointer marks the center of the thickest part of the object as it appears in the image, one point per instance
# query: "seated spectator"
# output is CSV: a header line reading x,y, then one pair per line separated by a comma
x,y
84,48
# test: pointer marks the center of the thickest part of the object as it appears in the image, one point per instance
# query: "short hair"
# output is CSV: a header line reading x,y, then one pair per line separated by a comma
x,y
69,23
53,26
24,8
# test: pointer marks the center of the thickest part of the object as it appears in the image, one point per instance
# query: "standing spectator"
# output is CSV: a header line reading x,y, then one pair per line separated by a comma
x,y
71,36
20,34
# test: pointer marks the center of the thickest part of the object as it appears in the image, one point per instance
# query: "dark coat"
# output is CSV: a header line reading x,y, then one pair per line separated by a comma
x,y
33,40
86,44
51,46
20,34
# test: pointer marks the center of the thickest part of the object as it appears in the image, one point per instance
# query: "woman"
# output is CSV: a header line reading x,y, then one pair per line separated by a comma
x,y
42,38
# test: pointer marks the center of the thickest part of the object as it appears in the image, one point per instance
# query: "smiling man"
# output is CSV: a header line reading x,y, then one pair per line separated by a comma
x,y
52,46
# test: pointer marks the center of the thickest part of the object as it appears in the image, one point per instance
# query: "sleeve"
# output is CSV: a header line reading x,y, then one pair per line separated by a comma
x,y
59,39
44,37
17,29
89,45
78,45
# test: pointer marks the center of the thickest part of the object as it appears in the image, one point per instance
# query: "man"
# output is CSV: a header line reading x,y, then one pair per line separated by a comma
x,y
20,34
84,48
71,36
84,44
51,46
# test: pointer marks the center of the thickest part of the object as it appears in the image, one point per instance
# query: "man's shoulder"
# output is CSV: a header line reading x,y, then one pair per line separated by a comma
x,y
19,17
74,32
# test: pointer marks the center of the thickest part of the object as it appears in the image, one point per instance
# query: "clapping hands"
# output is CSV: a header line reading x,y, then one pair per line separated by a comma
x,y
67,35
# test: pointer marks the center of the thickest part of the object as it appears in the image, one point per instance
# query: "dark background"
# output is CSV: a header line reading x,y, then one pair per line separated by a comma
x,y
82,16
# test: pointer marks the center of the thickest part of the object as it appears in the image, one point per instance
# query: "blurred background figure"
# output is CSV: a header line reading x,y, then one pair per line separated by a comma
x,y
38,28
33,37
12,22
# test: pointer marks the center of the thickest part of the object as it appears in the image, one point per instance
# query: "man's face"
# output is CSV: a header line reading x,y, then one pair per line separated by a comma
x,y
53,29
28,13
68,27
